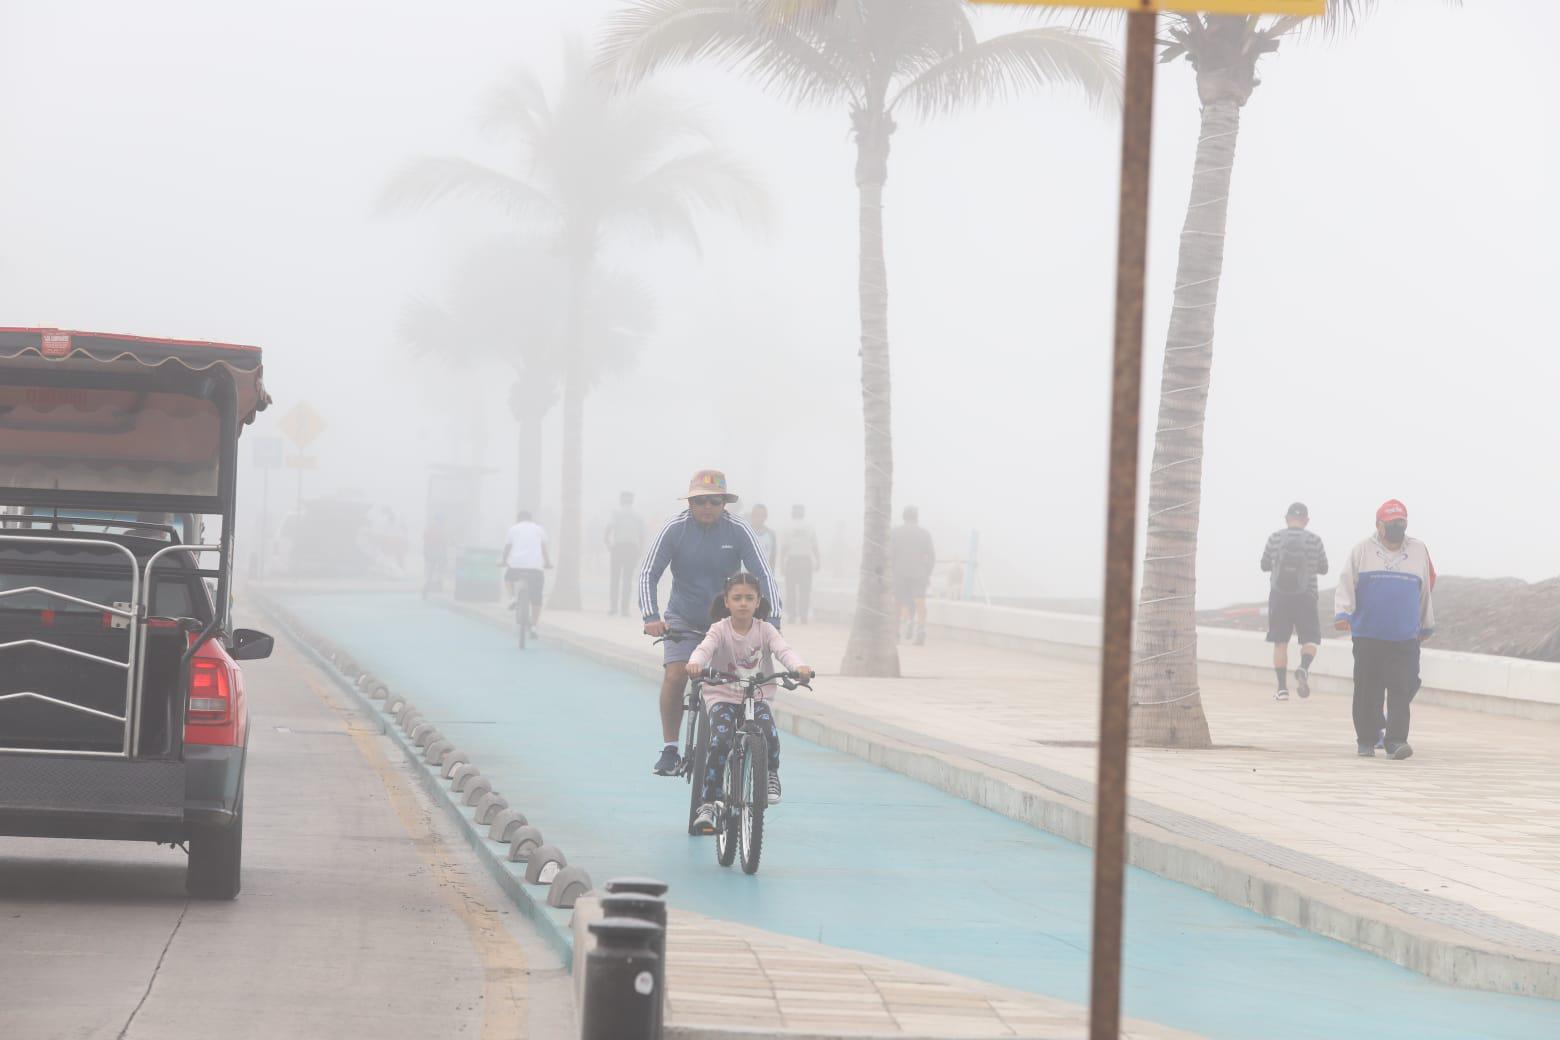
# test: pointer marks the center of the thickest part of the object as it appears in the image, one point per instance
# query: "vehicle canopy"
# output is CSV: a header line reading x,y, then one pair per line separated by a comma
x,y
100,421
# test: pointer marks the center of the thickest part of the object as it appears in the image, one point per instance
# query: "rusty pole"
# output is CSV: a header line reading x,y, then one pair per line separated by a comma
x,y
1121,532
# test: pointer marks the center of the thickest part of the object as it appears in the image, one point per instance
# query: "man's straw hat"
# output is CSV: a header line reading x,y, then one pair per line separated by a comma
x,y
708,482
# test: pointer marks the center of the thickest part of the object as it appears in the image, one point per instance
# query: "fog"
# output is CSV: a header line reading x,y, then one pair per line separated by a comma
x,y
1385,326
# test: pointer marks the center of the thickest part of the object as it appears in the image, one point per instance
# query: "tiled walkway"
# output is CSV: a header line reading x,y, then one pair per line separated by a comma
x,y
1466,833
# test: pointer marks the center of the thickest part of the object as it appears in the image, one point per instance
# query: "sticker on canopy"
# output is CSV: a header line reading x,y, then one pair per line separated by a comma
x,y
56,344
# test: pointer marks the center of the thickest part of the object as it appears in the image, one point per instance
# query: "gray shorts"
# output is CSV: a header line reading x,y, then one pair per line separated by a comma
x,y
675,651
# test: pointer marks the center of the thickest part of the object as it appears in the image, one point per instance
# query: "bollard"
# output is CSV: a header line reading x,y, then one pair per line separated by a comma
x,y
622,976
490,806
504,825
649,886
543,864
423,734
475,788
452,760
567,887
394,703
378,691
433,754
643,906
461,775
410,720
523,842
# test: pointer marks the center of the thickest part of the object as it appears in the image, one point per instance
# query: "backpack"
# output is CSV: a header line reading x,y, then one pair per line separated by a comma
x,y
1290,573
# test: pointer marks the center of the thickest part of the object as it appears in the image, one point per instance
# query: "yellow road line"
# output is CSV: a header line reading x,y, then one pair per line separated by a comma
x,y
504,966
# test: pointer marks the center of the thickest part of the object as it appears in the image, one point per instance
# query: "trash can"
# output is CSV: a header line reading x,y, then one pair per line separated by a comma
x,y
477,577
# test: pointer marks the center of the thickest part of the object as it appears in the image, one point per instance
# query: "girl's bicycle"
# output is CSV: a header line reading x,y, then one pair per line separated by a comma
x,y
744,791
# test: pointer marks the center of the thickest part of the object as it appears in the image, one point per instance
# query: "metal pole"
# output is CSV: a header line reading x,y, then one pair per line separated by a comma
x,y
1121,530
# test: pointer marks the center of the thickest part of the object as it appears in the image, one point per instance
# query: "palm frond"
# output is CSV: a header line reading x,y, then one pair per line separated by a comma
x,y
1012,64
429,179
517,107
426,328
666,201
649,35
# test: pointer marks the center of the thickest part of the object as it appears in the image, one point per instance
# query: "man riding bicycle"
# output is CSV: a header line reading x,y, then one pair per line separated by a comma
x,y
702,545
523,558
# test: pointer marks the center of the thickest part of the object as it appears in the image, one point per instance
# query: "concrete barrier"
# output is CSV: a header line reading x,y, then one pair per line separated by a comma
x,y
505,823
489,806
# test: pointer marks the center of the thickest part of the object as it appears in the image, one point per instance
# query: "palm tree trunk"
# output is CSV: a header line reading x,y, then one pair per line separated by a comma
x,y
528,472
566,589
1167,706
871,648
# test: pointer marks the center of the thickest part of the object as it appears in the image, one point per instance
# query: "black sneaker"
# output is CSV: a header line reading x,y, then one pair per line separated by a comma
x,y
1302,683
1398,752
668,763
774,788
1365,750
1281,695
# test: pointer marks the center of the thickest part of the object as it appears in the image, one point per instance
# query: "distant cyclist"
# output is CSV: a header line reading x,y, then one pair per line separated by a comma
x,y
523,558
1293,557
702,545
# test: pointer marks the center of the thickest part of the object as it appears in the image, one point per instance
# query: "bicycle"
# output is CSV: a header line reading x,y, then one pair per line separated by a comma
x,y
522,608
739,812
696,732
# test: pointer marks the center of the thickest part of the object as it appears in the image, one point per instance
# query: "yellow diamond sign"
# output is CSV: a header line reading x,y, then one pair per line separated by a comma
x,y
1289,7
302,424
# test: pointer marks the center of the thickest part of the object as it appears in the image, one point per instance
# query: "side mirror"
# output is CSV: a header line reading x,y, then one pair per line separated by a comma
x,y
250,645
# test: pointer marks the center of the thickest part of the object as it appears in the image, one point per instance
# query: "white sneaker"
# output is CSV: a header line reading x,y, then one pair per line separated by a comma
x,y
1281,695
774,788
704,819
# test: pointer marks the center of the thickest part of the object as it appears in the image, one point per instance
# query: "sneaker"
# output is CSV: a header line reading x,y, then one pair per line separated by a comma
x,y
1281,695
668,763
1302,683
1365,750
704,819
1381,740
774,788
1398,752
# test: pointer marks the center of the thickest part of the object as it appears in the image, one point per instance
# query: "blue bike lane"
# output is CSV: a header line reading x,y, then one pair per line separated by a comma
x,y
863,858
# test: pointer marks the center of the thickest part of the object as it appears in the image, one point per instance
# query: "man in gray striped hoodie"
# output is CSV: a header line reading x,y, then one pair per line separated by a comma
x,y
1293,557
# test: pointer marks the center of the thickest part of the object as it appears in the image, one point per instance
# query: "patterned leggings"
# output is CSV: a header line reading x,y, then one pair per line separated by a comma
x,y
725,722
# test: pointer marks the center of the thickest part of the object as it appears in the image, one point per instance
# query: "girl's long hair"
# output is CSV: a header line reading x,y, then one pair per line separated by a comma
x,y
718,608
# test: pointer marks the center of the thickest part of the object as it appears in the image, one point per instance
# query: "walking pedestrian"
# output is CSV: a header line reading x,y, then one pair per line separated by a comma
x,y
1293,557
912,558
799,560
1384,599
758,520
625,538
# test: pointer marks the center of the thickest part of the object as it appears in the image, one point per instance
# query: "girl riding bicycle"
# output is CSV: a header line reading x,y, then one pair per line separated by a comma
x,y
740,643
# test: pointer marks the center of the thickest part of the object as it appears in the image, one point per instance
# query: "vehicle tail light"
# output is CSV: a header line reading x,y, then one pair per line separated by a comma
x,y
211,691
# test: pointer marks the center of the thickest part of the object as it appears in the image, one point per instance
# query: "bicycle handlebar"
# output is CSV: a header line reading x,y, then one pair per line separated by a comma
x,y
790,680
676,635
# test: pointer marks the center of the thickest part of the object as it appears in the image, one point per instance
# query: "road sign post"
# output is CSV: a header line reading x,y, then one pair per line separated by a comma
x,y
1110,812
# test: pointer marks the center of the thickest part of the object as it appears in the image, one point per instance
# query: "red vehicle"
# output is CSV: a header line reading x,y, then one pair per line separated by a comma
x,y
122,708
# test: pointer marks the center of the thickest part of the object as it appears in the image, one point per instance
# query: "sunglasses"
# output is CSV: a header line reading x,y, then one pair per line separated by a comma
x,y
707,500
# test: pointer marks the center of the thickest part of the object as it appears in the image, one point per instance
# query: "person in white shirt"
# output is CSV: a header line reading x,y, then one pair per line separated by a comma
x,y
523,558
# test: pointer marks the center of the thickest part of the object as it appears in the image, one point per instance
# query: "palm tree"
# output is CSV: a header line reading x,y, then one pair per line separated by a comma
x,y
1225,51
880,60
505,305
589,166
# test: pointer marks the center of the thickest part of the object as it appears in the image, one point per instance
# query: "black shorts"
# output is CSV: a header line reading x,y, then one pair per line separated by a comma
x,y
1293,612
534,579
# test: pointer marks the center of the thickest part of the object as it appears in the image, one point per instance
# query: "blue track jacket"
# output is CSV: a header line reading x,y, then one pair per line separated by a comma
x,y
701,559
1385,593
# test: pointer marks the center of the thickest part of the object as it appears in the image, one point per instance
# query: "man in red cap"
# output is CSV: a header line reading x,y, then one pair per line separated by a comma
x,y
1383,598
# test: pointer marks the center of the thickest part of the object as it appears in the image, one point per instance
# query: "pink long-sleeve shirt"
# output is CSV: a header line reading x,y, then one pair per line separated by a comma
x,y
724,650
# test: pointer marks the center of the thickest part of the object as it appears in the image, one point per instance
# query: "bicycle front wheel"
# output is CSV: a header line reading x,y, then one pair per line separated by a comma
x,y
522,614
728,824
755,797
695,759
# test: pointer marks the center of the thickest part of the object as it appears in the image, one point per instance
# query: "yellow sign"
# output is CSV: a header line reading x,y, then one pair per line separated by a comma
x,y
302,424
1289,7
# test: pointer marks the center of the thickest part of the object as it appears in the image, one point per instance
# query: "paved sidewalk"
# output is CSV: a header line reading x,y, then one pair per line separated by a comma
x,y
1459,845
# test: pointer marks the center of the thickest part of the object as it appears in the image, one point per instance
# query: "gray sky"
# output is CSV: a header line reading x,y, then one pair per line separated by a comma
x,y
1385,323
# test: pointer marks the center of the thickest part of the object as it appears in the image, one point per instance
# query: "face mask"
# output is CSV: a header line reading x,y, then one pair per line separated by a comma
x,y
1395,529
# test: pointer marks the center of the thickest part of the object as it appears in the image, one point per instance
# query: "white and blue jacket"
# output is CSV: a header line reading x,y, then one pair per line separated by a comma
x,y
1385,593
701,558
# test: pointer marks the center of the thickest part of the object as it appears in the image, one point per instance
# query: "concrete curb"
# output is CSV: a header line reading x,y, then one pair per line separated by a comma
x,y
551,924
1439,952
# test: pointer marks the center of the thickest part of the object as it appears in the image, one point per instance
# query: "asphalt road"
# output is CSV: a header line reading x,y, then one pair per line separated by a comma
x,y
361,914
